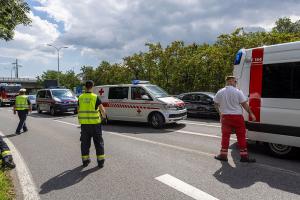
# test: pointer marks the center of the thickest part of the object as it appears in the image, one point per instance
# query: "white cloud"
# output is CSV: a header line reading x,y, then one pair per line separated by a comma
x,y
112,29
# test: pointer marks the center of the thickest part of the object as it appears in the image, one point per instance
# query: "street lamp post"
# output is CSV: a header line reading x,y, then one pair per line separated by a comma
x,y
57,49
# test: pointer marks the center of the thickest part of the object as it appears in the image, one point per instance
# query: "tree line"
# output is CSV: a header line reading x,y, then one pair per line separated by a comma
x,y
180,67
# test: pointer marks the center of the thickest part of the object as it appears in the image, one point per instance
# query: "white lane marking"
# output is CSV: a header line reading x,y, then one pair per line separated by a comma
x,y
185,188
202,124
27,185
66,123
190,150
199,134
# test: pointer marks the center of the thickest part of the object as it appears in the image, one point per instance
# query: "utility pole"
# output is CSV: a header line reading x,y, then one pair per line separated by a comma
x,y
17,68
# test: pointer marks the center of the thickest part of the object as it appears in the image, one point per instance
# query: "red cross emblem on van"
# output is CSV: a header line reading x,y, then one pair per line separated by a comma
x,y
101,91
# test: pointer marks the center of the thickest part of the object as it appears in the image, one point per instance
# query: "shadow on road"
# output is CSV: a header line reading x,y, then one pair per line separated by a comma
x,y
140,128
10,136
66,179
244,175
47,115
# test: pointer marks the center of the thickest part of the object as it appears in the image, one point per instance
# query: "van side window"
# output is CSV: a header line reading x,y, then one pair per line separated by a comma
x,y
281,80
138,92
48,94
118,93
41,94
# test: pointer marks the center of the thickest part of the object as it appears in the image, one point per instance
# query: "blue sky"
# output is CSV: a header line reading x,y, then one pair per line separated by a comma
x,y
112,29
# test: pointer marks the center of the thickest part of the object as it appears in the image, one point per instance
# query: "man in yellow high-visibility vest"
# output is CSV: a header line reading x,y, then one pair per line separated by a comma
x,y
22,106
89,110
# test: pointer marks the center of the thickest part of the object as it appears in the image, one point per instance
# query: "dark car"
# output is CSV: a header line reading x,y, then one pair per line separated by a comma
x,y
199,103
56,101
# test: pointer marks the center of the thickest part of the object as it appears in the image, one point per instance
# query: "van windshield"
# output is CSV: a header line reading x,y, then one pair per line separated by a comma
x,y
62,93
157,91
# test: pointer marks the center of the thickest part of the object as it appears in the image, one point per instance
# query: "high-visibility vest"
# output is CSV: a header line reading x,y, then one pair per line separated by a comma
x,y
87,113
22,102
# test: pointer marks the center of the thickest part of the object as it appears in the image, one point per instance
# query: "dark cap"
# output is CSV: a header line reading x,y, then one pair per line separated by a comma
x,y
89,84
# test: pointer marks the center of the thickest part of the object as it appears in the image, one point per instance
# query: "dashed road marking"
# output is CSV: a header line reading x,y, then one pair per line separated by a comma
x,y
185,188
25,178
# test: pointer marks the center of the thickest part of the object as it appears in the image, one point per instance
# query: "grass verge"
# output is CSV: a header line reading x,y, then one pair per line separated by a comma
x,y
6,186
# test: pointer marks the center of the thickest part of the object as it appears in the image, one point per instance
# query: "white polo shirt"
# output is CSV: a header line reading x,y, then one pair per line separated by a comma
x,y
230,98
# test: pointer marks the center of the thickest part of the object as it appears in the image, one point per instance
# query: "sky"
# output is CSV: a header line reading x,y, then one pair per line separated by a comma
x,y
109,30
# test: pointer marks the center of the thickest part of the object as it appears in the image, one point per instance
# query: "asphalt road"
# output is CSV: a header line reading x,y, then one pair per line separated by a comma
x,y
138,154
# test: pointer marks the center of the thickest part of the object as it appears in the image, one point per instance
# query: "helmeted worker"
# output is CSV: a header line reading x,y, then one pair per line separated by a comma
x,y
5,154
90,110
230,102
22,106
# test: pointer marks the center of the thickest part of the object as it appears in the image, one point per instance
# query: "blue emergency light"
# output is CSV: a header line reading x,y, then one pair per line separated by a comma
x,y
238,57
136,82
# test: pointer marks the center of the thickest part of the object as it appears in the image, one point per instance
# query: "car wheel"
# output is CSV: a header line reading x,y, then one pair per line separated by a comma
x,y
52,111
39,110
75,112
156,120
280,150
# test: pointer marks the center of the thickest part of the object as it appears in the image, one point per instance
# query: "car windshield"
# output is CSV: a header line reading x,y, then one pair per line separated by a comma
x,y
62,93
157,91
32,97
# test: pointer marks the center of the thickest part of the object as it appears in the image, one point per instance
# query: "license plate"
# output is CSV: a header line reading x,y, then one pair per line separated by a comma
x,y
71,109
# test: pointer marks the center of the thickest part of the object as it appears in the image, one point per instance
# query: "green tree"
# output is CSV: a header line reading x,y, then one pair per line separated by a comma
x,y
68,79
285,25
12,13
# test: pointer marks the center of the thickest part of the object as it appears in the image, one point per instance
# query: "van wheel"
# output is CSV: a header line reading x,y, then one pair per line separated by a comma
x,y
39,110
52,111
279,150
156,120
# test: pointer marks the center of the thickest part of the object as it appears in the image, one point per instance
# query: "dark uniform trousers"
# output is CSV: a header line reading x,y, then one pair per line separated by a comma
x,y
89,131
22,116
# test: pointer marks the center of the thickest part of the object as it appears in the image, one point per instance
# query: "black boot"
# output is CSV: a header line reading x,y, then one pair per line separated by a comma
x,y
221,158
8,163
85,163
101,164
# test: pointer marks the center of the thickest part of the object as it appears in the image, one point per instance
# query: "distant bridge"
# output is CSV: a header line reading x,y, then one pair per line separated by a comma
x,y
28,83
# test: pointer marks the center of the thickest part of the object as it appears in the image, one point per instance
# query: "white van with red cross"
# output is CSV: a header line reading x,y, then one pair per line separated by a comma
x,y
270,77
141,102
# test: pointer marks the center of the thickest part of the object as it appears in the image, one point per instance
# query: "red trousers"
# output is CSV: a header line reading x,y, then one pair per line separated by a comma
x,y
236,123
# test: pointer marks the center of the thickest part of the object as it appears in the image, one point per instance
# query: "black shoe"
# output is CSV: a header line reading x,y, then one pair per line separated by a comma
x,y
25,130
221,158
248,160
101,164
17,133
85,163
9,164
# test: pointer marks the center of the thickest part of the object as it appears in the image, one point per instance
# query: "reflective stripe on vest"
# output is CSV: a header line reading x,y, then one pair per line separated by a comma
x,y
22,102
5,153
87,113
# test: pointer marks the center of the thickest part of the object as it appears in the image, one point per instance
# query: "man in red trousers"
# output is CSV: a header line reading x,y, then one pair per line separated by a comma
x,y
230,102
